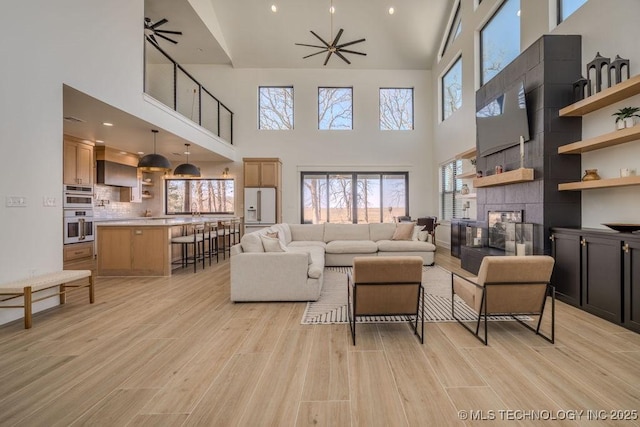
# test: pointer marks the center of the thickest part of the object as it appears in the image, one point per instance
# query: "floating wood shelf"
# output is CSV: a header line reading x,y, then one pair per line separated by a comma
x,y
601,99
468,154
468,175
603,141
466,196
505,178
147,183
600,183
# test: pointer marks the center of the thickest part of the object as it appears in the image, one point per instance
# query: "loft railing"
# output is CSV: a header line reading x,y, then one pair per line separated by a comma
x,y
168,82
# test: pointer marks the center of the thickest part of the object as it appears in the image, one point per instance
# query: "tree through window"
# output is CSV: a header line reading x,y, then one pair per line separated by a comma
x,y
452,89
275,108
335,108
396,109
207,196
500,39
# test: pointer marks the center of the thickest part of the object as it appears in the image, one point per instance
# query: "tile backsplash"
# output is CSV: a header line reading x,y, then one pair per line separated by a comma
x,y
107,204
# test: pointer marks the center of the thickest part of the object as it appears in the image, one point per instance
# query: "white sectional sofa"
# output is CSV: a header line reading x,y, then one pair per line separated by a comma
x,y
291,269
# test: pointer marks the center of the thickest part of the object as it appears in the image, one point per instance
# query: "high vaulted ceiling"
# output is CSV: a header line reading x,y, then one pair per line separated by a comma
x,y
256,37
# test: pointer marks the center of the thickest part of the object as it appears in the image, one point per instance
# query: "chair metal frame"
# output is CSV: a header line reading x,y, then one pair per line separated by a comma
x,y
483,314
197,241
419,314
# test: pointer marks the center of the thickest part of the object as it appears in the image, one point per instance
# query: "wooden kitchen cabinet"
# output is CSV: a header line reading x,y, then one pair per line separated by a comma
x,y
567,251
631,293
602,277
76,251
133,251
78,162
262,172
132,194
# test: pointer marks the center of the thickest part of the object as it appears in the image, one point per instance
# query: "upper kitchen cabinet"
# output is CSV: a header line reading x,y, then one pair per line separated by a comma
x,y
262,172
78,162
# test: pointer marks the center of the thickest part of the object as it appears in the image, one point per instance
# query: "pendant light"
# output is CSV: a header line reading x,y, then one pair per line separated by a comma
x,y
154,162
187,169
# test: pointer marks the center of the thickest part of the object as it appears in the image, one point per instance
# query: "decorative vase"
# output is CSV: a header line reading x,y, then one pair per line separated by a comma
x,y
620,124
591,175
629,122
464,189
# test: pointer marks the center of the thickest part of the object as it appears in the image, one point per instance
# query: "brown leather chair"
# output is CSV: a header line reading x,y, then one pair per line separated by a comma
x,y
430,223
386,286
507,286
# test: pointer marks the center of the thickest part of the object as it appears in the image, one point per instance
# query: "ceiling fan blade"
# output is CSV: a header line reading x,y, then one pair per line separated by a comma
x,y
152,39
335,41
328,56
341,56
166,38
320,38
157,24
350,43
314,54
169,32
310,45
352,51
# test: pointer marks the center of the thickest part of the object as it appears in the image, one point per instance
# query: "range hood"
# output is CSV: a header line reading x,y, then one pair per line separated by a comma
x,y
116,168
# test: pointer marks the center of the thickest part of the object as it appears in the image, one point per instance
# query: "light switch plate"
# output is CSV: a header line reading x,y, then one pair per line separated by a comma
x,y
49,202
16,201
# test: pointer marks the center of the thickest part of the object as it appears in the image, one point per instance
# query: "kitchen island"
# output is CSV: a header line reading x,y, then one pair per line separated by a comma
x,y
139,247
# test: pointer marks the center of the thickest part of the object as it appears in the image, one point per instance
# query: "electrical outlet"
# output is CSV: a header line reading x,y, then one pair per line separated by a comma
x,y
16,201
49,202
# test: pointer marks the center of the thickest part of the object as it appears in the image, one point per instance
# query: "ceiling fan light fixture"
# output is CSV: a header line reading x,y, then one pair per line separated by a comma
x,y
154,162
187,169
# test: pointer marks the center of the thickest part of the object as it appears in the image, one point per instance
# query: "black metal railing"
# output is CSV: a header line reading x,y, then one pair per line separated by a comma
x,y
168,82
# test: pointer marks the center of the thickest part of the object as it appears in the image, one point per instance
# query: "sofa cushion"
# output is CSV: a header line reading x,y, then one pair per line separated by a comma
x,y
316,259
251,242
351,247
272,244
404,231
307,243
381,231
346,232
284,232
307,232
404,245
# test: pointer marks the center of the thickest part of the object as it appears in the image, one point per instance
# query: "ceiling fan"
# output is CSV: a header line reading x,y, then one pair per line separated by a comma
x,y
333,46
151,31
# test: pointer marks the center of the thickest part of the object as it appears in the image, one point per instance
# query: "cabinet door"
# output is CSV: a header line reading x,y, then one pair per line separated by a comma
x,y
146,261
252,174
268,174
565,249
455,239
632,286
69,163
84,164
602,277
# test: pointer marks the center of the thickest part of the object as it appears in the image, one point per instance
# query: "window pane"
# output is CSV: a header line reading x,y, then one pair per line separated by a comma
x,y
454,30
328,197
335,108
394,197
450,207
452,89
567,7
396,109
500,39
314,199
199,195
276,108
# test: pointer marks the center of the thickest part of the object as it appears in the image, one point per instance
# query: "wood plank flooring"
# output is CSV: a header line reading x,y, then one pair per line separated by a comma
x,y
176,352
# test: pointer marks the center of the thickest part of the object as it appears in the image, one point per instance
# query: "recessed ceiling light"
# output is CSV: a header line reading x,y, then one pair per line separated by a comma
x,y
332,9
141,152
99,141
274,8
391,11
107,124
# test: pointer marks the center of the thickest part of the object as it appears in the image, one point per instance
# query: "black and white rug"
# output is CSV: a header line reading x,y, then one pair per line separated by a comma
x,y
332,305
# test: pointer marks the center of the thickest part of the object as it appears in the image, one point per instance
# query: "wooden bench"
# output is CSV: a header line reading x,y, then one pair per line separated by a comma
x,y
27,287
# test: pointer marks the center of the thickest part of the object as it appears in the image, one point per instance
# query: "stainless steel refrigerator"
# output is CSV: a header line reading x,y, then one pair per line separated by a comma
x,y
259,208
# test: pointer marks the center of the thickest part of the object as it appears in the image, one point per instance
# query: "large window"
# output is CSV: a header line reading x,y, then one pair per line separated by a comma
x,y
567,7
454,30
396,109
207,196
275,108
450,207
354,197
452,89
500,39
335,108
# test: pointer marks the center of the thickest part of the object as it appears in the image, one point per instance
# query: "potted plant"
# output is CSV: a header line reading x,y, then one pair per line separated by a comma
x,y
625,117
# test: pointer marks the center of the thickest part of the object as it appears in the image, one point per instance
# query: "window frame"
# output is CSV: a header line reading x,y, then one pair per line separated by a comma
x,y
354,189
560,8
455,17
480,40
442,88
188,201
350,88
412,90
456,165
260,106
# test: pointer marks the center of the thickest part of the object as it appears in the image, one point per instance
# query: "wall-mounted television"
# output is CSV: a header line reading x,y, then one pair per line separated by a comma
x,y
496,221
502,121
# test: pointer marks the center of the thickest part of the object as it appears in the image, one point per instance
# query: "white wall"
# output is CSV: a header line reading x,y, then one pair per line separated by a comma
x,y
306,148
93,46
606,26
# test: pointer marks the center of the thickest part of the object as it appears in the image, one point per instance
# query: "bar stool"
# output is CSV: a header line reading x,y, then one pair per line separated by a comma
x,y
192,238
236,226
224,235
211,238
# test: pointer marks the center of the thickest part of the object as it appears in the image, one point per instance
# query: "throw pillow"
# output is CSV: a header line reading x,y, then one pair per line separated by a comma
x,y
273,234
404,231
251,243
272,244
423,236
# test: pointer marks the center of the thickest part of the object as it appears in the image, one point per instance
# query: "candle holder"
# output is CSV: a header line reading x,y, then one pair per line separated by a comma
x,y
518,238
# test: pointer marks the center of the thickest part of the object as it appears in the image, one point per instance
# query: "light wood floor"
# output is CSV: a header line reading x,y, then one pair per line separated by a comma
x,y
175,351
